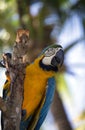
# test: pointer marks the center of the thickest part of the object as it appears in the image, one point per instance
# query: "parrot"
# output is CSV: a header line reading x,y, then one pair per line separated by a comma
x,y
39,86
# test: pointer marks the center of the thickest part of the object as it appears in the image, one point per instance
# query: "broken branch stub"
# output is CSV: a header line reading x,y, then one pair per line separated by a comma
x,y
21,46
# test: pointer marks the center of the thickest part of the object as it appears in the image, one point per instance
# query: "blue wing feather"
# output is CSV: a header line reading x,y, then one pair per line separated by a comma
x,y
49,98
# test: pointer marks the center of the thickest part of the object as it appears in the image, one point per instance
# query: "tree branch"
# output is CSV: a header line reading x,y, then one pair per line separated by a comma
x,y
2,105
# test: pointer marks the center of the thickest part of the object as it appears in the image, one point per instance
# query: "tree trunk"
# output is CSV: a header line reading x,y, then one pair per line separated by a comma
x,y
59,114
12,106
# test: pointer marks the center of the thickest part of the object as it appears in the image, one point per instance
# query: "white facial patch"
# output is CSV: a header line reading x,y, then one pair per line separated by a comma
x,y
47,60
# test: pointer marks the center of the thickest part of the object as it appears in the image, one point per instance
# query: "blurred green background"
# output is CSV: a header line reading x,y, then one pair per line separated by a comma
x,y
49,22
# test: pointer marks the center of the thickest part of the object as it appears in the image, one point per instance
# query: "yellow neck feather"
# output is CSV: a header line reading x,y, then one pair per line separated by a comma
x,y
38,70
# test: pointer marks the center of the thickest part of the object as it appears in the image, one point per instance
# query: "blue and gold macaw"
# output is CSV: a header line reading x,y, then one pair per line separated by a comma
x,y
37,96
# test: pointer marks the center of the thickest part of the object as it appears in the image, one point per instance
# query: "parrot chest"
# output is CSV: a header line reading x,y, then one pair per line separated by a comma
x,y
34,88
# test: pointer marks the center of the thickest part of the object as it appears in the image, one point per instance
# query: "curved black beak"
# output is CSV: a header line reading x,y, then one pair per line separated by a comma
x,y
58,58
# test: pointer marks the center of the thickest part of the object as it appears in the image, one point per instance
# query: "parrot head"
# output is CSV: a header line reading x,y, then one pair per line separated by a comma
x,y
2,62
53,57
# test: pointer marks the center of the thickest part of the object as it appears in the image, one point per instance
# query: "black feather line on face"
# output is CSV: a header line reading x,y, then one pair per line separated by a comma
x,y
47,67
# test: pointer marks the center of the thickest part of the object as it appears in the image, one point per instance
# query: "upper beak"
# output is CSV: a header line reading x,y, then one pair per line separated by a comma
x,y
58,58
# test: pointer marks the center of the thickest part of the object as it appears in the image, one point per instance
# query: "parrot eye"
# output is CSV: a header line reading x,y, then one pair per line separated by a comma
x,y
50,52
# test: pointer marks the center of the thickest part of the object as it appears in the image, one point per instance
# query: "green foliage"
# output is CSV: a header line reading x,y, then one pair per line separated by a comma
x,y
17,14
62,86
82,127
71,45
8,24
55,3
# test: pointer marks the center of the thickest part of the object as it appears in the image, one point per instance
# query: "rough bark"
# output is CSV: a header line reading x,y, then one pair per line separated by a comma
x,y
59,114
11,108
